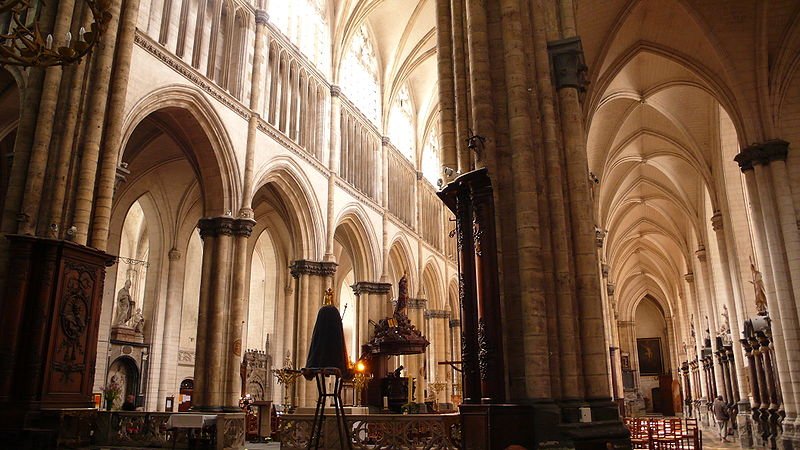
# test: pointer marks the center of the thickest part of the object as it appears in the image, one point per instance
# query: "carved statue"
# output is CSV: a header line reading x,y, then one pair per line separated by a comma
x,y
402,297
136,322
124,304
758,285
287,361
726,322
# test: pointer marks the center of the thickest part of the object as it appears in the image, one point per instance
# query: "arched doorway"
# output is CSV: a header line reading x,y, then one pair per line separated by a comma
x,y
124,373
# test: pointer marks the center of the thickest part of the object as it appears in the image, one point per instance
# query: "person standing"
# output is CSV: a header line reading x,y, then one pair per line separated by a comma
x,y
720,410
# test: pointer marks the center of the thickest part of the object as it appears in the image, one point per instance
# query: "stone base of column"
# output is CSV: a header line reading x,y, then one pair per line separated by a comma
x,y
543,424
789,439
744,424
702,412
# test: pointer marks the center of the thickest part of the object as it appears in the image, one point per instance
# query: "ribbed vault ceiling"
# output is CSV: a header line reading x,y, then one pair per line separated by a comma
x,y
404,32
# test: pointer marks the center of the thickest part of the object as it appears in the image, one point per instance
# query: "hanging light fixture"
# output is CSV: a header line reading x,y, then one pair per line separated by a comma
x,y
23,44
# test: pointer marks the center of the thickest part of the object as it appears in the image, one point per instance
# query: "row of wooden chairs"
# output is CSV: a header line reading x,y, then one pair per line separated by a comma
x,y
668,433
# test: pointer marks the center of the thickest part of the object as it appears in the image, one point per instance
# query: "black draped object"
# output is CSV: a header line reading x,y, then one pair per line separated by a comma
x,y
327,356
328,349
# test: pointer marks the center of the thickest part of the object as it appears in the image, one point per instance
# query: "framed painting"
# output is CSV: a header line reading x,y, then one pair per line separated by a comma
x,y
649,351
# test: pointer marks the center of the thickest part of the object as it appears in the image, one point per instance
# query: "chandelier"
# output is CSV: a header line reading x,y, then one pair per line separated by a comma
x,y
23,44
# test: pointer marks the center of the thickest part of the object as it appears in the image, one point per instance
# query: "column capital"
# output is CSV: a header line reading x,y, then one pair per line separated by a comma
x,y
385,140
335,90
243,227
437,314
121,174
317,268
262,18
215,226
567,63
716,220
371,287
599,236
174,254
763,153
626,323
701,252
689,277
455,323
416,303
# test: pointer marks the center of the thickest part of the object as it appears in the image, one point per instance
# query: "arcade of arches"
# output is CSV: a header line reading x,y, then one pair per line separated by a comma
x,y
236,158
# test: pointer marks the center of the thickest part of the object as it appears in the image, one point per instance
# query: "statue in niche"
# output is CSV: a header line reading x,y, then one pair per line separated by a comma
x,y
691,323
136,322
125,305
758,285
402,297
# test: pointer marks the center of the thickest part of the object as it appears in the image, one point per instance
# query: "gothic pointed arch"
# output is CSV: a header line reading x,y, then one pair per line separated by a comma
x,y
305,217
432,286
401,262
187,118
354,228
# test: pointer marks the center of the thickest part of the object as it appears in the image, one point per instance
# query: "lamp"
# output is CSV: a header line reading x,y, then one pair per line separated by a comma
x,y
25,45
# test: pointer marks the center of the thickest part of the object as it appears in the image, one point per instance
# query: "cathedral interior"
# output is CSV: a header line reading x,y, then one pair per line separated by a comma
x,y
588,210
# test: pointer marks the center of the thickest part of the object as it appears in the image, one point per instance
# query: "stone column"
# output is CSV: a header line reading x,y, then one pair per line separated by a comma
x,y
735,320
212,345
790,382
447,103
95,113
712,313
39,156
334,165
167,384
208,235
455,356
237,307
440,324
415,364
371,297
385,204
112,139
697,341
754,161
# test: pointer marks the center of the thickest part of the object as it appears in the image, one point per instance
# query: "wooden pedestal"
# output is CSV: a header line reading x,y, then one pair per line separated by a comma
x,y
49,319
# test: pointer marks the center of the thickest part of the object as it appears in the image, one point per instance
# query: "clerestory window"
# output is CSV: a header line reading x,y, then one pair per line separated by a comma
x,y
401,124
305,23
359,76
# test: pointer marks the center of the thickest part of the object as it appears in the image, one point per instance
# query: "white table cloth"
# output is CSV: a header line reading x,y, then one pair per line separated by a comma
x,y
191,420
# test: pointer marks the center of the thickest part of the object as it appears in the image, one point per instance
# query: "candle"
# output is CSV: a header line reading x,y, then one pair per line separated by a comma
x,y
410,390
385,402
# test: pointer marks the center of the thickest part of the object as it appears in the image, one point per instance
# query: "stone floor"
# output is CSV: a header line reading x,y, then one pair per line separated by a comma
x,y
711,440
